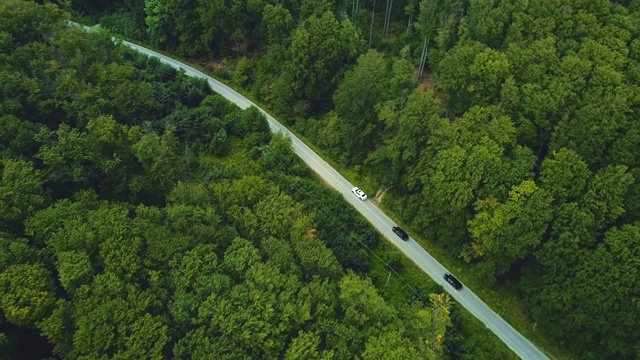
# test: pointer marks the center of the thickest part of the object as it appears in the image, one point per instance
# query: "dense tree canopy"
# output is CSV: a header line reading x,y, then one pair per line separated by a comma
x,y
142,216
517,151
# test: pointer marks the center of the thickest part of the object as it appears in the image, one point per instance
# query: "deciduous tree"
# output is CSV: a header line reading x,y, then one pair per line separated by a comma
x,y
355,100
27,293
21,193
504,233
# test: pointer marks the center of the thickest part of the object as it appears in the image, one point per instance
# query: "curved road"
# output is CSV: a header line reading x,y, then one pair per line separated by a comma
x,y
465,297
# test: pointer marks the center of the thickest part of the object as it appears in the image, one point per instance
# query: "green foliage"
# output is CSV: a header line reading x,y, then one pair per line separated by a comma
x,y
280,255
27,293
21,193
278,154
58,328
504,233
314,257
519,153
279,23
220,143
195,275
192,194
65,154
119,334
117,94
355,101
17,138
157,155
454,83
245,191
363,307
16,251
27,21
410,130
305,346
565,175
125,23
318,49
242,72
5,344
240,256
606,192
160,27
276,215
310,8
74,269
159,248
607,266
488,72
390,345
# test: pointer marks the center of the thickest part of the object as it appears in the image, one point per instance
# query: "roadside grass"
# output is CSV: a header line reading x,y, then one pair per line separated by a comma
x,y
503,301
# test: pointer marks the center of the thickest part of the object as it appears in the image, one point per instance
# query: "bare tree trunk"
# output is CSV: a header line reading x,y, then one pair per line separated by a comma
x,y
355,13
423,59
387,18
373,12
384,21
237,45
419,75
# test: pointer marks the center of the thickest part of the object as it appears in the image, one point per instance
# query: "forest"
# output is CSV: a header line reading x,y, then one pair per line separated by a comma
x,y
144,217
505,131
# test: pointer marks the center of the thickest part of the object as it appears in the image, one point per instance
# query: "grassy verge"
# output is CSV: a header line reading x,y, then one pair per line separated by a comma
x,y
500,299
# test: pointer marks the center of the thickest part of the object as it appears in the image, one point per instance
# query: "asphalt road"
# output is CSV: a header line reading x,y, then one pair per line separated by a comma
x,y
465,297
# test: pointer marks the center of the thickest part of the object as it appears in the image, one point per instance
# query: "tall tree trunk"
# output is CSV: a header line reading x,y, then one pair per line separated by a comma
x,y
423,59
373,12
387,18
384,21
419,74
355,16
235,40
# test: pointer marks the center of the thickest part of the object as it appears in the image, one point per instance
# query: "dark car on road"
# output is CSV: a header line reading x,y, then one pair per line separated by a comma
x,y
403,235
453,281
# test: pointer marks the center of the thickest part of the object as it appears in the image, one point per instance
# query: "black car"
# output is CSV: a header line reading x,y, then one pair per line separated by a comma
x,y
453,281
403,235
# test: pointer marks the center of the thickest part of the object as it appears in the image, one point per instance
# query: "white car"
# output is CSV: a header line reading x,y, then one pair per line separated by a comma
x,y
359,193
